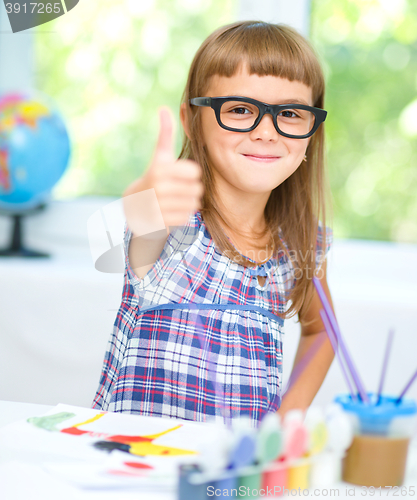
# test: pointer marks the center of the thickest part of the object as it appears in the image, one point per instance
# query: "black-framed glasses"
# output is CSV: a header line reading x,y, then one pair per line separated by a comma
x,y
243,114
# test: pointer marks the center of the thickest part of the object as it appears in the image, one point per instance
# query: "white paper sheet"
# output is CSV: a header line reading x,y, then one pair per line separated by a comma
x,y
147,454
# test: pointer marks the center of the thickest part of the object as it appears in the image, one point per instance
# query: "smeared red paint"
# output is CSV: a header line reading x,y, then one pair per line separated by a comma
x,y
74,431
125,473
139,469
138,465
129,439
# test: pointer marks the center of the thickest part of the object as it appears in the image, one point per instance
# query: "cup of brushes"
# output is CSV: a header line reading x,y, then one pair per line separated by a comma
x,y
277,457
383,424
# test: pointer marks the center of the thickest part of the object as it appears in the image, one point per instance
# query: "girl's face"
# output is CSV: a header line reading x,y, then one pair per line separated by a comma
x,y
260,160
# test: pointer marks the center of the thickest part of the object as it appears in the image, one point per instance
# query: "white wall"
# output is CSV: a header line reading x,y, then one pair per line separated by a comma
x,y
56,314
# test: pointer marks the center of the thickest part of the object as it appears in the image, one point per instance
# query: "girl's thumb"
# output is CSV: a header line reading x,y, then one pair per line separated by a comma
x,y
164,151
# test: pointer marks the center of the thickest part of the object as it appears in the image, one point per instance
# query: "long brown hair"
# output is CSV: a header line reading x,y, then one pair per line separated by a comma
x,y
295,206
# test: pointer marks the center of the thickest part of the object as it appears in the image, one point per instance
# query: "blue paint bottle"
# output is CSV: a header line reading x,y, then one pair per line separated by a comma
x,y
188,490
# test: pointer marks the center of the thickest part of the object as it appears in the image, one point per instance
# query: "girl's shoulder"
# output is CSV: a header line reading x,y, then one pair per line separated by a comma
x,y
191,239
178,235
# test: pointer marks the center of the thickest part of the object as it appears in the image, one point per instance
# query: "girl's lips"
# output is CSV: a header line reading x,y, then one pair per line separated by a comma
x,y
263,158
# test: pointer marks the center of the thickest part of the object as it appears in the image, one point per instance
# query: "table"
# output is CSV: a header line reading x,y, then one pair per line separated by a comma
x,y
20,481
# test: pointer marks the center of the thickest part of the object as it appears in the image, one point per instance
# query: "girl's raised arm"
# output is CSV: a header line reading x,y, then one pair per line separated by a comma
x,y
178,188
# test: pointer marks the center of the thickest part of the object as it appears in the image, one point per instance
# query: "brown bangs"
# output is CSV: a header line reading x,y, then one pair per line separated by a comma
x,y
267,51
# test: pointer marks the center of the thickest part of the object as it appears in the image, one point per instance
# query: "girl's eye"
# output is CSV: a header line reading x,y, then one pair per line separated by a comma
x,y
288,113
240,111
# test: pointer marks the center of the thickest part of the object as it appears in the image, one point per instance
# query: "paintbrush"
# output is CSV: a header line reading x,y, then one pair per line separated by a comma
x,y
385,364
349,363
333,341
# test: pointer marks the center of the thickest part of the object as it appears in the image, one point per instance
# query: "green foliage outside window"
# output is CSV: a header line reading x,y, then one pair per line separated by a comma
x,y
110,65
370,53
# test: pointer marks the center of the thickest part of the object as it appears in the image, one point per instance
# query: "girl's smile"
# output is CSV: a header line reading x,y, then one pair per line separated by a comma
x,y
263,158
238,158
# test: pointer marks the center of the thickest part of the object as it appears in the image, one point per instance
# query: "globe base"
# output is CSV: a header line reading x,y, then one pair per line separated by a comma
x,y
22,252
16,248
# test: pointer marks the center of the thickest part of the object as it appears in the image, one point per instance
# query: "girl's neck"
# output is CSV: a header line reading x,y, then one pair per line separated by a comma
x,y
244,214
259,250
247,229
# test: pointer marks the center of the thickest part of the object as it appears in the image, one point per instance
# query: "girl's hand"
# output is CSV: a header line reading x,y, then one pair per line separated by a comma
x,y
177,183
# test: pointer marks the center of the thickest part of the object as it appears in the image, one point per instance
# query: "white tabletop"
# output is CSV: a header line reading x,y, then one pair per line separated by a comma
x,y
21,479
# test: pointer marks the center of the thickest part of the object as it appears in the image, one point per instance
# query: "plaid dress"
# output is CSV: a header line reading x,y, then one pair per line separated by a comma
x,y
198,337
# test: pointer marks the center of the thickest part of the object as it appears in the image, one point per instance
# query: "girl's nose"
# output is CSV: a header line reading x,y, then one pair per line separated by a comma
x,y
266,129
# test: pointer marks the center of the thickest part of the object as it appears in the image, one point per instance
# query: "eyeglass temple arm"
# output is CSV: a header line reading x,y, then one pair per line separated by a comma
x,y
201,101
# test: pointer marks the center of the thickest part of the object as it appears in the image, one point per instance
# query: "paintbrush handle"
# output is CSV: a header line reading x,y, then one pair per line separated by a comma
x,y
384,364
333,341
335,327
398,400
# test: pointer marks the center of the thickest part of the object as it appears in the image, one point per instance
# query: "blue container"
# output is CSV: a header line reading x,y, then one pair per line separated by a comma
x,y
385,418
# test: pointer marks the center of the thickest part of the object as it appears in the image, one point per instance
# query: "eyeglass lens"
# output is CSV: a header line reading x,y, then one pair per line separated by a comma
x,y
242,115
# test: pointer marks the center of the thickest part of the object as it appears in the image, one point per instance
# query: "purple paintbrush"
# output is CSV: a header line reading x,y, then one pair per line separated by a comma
x,y
398,400
385,364
333,341
335,327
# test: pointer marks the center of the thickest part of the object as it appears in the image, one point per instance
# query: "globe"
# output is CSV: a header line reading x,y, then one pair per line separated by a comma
x,y
34,151
34,154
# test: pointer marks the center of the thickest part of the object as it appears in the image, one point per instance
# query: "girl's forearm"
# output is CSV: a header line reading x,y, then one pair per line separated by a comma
x,y
315,367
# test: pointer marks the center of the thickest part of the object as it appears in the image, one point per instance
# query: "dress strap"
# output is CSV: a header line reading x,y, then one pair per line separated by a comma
x,y
223,307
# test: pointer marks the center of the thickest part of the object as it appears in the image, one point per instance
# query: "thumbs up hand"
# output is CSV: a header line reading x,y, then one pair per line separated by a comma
x,y
177,183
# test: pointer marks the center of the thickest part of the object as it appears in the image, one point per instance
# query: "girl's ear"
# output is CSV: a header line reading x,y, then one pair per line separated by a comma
x,y
184,119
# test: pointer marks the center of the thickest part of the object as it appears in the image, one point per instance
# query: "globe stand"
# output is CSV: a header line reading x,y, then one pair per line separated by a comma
x,y
16,247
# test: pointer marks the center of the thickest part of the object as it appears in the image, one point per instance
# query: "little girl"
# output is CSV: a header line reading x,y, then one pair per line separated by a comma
x,y
199,333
